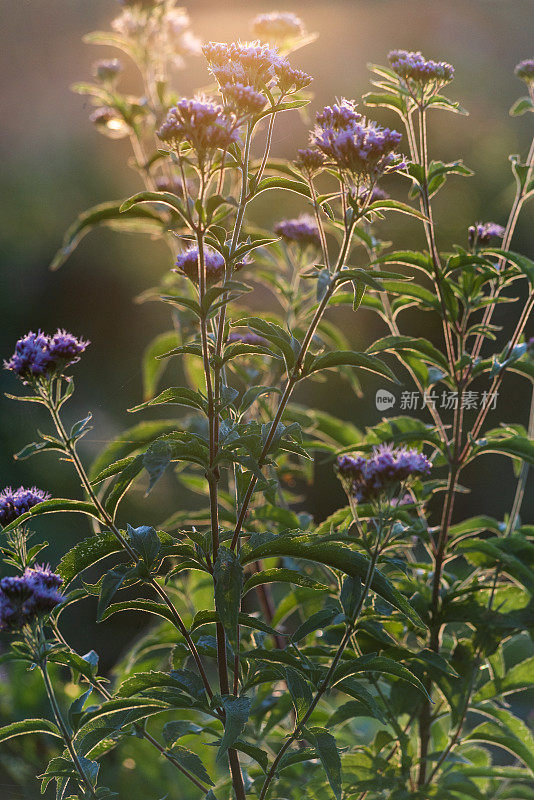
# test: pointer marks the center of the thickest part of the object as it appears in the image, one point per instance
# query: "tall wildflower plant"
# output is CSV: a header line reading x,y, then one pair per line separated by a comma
x,y
369,655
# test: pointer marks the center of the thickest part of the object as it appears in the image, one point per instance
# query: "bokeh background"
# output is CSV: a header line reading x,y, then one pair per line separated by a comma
x,y
54,165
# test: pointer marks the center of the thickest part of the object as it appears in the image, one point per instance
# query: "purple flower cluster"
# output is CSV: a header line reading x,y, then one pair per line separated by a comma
x,y
483,232
14,502
412,66
360,148
252,65
37,354
243,100
246,338
302,230
525,70
249,63
26,597
200,122
382,472
376,194
187,264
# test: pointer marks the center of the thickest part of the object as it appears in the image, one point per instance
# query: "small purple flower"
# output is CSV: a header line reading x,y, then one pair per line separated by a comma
x,y
358,148
187,264
243,100
31,357
250,63
38,355
382,472
525,70
65,347
15,502
26,597
247,338
302,231
290,79
174,185
310,160
108,70
200,122
483,232
412,66
377,193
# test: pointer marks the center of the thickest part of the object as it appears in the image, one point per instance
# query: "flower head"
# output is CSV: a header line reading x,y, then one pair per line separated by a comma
x,y
174,185
382,473
483,232
302,230
187,264
26,597
248,63
37,354
413,67
281,29
310,160
242,100
246,338
108,70
160,29
359,148
15,502
201,123
525,70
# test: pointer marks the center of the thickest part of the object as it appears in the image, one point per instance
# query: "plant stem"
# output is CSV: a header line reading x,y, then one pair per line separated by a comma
x,y
107,520
292,380
326,681
67,738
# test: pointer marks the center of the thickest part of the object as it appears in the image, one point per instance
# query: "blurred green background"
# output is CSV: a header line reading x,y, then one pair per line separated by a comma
x,y
55,165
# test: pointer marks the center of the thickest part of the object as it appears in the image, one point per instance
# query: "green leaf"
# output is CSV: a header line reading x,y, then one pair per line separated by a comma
x,y
191,762
300,692
508,732
153,366
329,755
148,606
395,205
349,358
516,679
280,575
172,731
315,622
333,555
420,346
54,506
145,541
228,577
137,220
275,182
246,620
132,439
29,726
176,396
521,106
379,664
111,583
350,596
110,717
86,553
237,710
164,198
